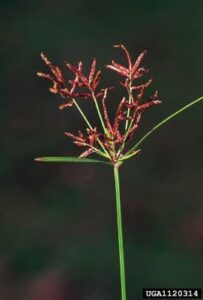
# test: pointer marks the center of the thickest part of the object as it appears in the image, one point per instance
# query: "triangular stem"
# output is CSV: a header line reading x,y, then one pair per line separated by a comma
x,y
120,234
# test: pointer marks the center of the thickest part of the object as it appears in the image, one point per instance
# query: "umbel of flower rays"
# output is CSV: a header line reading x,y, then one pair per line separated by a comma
x,y
111,143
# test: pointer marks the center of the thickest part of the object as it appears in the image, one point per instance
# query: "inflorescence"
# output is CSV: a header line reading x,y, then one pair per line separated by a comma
x,y
112,142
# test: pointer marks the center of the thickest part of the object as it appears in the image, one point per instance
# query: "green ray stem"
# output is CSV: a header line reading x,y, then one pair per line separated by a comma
x,y
106,154
120,234
99,113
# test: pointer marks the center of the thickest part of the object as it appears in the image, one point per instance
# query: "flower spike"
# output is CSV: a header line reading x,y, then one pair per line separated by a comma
x,y
92,70
126,53
137,64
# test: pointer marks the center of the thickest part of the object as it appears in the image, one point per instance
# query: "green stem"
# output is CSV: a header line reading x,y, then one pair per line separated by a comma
x,y
162,123
129,101
127,127
120,234
99,113
106,154
125,137
82,114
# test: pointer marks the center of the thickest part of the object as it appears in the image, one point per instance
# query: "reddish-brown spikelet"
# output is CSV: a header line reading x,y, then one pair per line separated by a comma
x,y
79,73
76,82
106,117
55,70
119,115
95,81
92,71
137,64
132,72
126,54
118,68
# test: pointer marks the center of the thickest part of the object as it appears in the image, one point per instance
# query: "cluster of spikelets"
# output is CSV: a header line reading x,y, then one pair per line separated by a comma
x,y
111,143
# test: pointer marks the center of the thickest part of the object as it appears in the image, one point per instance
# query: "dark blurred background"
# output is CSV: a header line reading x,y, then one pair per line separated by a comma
x,y
58,236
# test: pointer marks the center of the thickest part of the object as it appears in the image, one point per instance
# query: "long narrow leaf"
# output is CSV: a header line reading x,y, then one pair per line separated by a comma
x,y
65,159
162,123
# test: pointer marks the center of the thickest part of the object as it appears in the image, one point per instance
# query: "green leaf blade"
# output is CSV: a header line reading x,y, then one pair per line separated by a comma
x,y
69,159
166,120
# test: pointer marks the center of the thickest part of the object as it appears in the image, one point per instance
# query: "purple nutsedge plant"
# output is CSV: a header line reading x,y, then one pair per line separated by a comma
x,y
111,143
